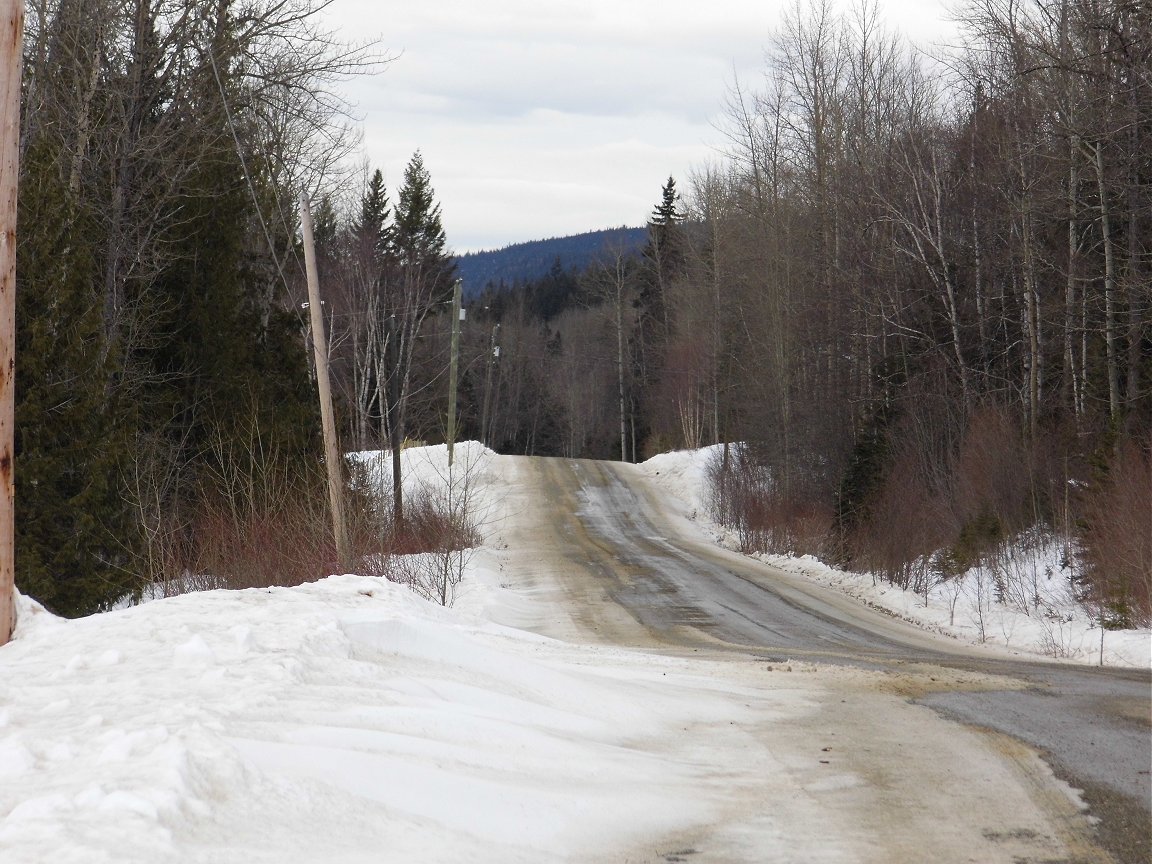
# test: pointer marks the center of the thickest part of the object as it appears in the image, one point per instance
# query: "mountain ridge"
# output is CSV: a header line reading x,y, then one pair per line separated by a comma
x,y
519,263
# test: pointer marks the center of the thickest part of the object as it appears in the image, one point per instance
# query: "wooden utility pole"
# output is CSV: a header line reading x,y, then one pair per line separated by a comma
x,y
392,411
453,366
493,353
12,33
323,386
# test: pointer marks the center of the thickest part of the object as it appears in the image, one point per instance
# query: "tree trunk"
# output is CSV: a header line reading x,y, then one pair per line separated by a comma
x,y
392,409
1031,304
716,334
1070,382
982,311
1139,293
1111,352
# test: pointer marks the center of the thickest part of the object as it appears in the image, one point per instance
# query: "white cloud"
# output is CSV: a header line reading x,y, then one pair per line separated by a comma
x,y
540,118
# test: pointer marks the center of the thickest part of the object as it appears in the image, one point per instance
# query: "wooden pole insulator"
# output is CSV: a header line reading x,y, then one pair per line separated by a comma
x,y
12,33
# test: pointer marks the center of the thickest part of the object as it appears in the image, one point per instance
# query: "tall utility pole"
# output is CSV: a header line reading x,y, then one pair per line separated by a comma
x,y
12,36
457,315
324,387
392,411
493,353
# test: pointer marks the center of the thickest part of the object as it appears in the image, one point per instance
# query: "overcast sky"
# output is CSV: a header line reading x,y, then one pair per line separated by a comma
x,y
541,118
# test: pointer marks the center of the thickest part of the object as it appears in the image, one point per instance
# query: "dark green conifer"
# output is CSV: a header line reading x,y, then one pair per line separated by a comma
x,y
72,536
372,231
419,242
665,250
667,212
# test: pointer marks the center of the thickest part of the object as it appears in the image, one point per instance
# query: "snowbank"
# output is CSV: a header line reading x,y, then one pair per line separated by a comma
x,y
684,474
1040,615
341,721
425,470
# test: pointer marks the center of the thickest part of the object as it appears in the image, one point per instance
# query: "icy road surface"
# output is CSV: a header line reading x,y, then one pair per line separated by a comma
x,y
625,568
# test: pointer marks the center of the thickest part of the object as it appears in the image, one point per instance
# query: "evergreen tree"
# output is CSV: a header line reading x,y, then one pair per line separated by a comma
x,y
221,291
667,212
552,294
72,539
150,308
418,282
665,251
359,366
325,224
664,261
419,242
372,231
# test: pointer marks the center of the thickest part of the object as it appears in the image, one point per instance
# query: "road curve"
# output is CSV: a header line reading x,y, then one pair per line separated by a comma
x,y
634,578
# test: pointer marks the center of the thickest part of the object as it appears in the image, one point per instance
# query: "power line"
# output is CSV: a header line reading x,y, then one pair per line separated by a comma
x,y
247,175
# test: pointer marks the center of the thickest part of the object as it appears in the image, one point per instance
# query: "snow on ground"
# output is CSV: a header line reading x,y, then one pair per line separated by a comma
x,y
349,720
346,720
1040,616
425,470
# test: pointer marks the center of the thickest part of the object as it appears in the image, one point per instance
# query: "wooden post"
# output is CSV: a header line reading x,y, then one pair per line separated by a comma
x,y
395,439
332,455
493,352
12,34
457,314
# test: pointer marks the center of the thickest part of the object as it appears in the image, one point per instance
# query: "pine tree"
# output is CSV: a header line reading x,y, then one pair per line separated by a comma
x,y
325,224
667,212
666,241
419,242
360,367
72,537
664,260
218,293
372,231
152,321
419,281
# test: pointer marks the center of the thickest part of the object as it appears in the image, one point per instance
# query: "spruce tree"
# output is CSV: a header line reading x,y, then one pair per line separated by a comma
x,y
419,281
419,242
72,536
372,231
666,241
667,212
663,261
227,326
152,320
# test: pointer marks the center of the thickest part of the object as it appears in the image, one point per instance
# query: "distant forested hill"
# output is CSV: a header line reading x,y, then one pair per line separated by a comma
x,y
525,262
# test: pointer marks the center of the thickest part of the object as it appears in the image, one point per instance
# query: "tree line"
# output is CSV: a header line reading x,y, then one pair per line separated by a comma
x,y
389,278
912,300
916,290
163,396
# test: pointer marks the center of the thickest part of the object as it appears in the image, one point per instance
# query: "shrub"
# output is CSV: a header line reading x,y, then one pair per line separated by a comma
x,y
1117,542
745,496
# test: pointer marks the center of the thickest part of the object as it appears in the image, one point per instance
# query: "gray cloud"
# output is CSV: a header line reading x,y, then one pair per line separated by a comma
x,y
538,117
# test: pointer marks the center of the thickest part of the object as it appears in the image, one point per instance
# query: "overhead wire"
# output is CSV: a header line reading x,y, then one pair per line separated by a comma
x,y
244,167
